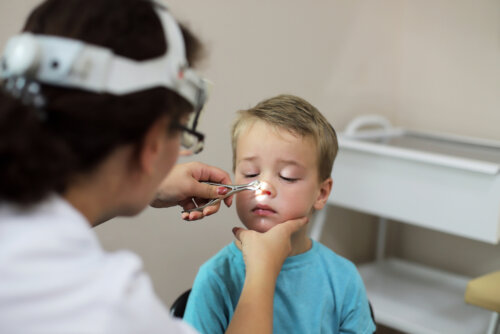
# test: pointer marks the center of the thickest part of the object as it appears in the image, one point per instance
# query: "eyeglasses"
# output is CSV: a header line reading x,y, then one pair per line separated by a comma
x,y
192,141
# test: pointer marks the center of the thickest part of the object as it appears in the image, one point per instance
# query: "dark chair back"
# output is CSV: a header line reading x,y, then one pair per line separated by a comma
x,y
179,305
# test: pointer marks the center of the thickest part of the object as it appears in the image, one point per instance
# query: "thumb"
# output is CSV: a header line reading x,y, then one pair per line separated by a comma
x,y
204,190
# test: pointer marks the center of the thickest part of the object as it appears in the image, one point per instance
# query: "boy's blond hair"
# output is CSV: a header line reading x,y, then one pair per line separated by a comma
x,y
297,116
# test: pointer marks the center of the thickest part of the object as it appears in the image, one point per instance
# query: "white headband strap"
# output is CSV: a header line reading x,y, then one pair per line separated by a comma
x,y
72,63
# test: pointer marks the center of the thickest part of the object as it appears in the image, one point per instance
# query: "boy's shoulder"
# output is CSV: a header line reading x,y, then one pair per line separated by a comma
x,y
226,260
333,261
329,255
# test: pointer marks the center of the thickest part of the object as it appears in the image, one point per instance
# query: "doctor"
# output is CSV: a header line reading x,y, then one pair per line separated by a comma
x,y
97,98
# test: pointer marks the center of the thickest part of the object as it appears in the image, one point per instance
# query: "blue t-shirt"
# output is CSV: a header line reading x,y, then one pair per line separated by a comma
x,y
316,292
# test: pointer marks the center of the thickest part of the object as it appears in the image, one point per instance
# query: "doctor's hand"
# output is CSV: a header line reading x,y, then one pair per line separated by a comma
x,y
266,252
182,186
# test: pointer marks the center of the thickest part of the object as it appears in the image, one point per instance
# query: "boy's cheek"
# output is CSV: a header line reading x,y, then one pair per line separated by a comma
x,y
240,199
294,212
242,205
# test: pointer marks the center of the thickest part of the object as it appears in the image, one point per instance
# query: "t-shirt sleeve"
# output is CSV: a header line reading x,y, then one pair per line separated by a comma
x,y
356,315
207,309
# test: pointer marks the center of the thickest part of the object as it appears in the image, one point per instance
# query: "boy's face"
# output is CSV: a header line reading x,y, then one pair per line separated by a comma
x,y
287,163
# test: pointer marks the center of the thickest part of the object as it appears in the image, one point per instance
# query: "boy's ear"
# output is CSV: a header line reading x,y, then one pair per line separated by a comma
x,y
324,193
151,146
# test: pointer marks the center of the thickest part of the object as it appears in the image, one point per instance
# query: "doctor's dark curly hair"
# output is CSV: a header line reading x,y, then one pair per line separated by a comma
x,y
39,156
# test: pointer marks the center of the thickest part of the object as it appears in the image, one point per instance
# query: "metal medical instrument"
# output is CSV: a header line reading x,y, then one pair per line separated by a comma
x,y
233,189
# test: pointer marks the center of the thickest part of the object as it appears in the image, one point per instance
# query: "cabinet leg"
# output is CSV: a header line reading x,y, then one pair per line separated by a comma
x,y
492,328
381,239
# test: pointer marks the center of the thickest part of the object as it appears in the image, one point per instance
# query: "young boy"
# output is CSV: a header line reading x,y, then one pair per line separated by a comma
x,y
286,143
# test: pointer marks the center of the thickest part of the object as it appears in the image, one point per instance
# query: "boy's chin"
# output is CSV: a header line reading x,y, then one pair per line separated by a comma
x,y
260,225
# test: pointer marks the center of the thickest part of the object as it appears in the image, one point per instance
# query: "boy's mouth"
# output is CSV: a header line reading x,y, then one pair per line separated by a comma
x,y
263,210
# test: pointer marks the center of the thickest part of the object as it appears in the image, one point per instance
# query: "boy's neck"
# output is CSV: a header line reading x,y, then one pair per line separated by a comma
x,y
301,243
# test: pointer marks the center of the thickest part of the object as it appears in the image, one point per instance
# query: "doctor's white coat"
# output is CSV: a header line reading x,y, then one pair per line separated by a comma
x,y
56,278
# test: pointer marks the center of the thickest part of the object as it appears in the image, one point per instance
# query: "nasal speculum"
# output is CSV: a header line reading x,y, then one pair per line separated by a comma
x,y
233,189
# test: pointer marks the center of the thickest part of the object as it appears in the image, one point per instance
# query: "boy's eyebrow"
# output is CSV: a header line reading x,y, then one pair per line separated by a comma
x,y
281,161
251,158
290,162
287,161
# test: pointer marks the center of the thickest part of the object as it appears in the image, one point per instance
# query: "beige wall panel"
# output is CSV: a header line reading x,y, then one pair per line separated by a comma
x,y
431,65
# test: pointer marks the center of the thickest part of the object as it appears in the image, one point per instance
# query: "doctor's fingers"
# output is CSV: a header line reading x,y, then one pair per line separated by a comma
x,y
198,214
203,190
289,227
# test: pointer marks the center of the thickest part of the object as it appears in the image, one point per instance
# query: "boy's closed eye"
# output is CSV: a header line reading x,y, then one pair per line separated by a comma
x,y
289,179
291,173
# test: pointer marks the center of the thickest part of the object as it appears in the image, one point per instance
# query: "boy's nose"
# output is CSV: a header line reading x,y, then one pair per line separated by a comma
x,y
266,189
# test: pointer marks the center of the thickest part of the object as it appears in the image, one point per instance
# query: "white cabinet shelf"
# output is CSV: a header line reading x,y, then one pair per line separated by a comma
x,y
441,182
437,182
417,299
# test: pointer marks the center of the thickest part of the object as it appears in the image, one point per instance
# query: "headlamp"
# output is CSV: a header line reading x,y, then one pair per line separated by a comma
x,y
72,63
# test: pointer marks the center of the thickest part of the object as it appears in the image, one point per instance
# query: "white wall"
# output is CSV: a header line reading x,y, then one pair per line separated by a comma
x,y
423,64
